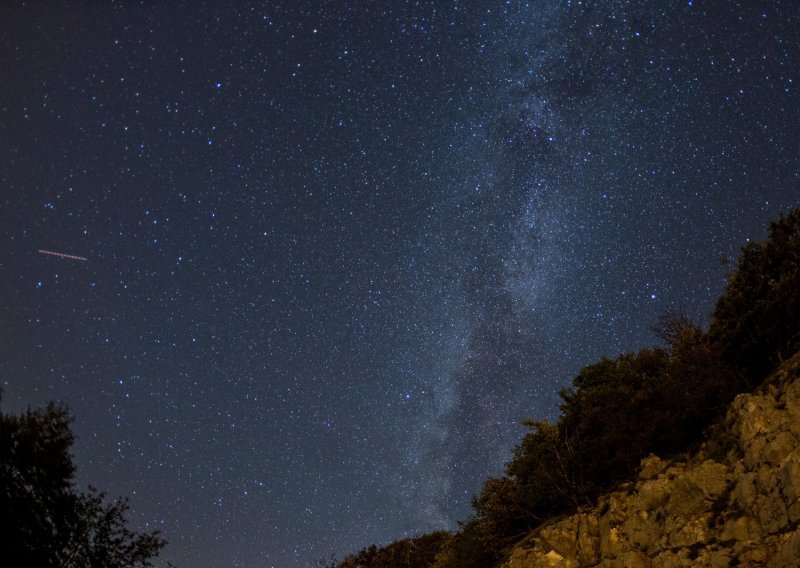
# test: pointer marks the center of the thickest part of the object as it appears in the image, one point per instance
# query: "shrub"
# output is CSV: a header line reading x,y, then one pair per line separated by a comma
x,y
756,321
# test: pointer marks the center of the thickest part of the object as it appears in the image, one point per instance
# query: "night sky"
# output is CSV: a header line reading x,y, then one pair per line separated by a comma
x,y
336,251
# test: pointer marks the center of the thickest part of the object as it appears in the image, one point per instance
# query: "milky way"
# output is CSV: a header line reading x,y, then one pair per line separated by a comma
x,y
340,250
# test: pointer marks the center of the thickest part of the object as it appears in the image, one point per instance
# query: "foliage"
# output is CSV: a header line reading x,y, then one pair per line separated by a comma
x,y
45,521
654,401
545,467
468,547
416,552
757,319
616,413
659,400
539,483
608,414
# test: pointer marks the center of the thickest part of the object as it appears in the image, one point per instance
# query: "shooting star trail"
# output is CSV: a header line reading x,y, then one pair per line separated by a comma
x,y
62,255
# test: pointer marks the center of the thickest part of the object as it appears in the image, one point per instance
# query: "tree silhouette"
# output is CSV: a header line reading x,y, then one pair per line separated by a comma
x,y
757,320
45,521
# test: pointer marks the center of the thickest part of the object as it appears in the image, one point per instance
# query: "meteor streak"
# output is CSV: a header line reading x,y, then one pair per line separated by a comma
x,y
62,255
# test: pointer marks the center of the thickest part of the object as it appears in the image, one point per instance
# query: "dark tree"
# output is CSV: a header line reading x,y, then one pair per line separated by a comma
x,y
612,413
757,319
653,401
45,521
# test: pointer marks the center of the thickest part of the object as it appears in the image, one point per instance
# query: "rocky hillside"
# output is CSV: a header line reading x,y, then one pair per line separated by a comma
x,y
734,503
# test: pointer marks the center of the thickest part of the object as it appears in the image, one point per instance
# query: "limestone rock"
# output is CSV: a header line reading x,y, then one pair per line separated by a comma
x,y
742,510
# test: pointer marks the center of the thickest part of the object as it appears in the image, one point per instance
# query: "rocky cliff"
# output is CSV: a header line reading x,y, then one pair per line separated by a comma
x,y
736,502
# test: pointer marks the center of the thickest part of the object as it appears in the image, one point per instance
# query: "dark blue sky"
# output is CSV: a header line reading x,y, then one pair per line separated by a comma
x,y
338,250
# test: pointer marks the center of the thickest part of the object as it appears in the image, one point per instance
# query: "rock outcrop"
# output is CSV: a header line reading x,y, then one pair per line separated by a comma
x,y
735,503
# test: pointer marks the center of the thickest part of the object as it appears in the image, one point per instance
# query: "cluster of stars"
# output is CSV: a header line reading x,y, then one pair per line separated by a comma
x,y
336,254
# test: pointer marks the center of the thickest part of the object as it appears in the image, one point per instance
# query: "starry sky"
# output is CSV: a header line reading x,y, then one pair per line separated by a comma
x,y
337,250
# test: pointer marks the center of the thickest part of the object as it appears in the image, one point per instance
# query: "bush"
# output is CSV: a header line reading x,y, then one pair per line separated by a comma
x,y
654,401
756,321
468,548
418,552
613,415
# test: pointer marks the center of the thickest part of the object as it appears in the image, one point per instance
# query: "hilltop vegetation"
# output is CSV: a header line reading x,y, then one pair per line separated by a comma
x,y
618,411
